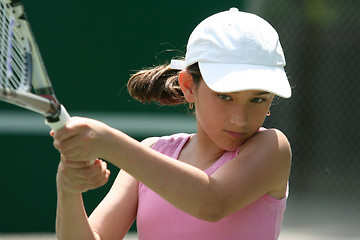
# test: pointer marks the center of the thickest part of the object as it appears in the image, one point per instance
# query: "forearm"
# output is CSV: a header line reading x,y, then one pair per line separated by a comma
x,y
186,187
71,218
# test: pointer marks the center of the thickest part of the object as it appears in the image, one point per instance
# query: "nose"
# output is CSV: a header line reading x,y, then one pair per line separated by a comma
x,y
239,116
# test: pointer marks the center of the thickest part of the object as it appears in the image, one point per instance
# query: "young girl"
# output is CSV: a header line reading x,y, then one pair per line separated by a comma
x,y
227,181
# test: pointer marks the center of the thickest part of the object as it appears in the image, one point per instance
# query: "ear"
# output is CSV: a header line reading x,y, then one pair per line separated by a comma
x,y
187,85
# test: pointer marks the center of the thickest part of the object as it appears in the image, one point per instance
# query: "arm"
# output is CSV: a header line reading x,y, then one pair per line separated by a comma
x,y
113,216
254,172
71,217
261,167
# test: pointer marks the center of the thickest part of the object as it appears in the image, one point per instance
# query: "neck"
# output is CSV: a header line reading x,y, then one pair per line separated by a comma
x,y
200,152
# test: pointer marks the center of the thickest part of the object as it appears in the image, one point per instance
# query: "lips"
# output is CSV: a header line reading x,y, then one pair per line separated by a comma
x,y
235,134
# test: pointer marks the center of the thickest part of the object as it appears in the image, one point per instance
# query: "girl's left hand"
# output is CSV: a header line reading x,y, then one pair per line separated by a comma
x,y
82,139
79,177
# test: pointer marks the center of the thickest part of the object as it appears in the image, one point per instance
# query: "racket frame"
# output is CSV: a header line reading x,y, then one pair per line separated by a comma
x,y
43,100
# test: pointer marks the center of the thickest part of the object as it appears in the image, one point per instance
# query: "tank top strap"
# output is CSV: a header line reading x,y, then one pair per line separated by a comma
x,y
226,157
171,145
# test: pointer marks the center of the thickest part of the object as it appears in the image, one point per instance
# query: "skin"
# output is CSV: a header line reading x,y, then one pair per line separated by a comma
x,y
225,122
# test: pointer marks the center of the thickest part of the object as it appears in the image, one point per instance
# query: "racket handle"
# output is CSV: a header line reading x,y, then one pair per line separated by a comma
x,y
63,118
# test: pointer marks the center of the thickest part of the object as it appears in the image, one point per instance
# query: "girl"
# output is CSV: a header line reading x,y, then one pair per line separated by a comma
x,y
227,181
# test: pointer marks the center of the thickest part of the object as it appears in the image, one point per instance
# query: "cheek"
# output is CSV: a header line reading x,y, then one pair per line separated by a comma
x,y
259,115
209,109
206,116
209,116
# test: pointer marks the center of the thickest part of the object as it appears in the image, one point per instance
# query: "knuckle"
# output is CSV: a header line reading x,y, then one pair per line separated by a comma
x,y
56,144
63,170
90,134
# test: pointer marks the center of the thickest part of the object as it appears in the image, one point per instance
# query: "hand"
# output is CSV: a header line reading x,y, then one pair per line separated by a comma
x,y
82,140
79,177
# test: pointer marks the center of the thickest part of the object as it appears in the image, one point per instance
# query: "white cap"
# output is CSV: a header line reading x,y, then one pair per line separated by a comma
x,y
237,51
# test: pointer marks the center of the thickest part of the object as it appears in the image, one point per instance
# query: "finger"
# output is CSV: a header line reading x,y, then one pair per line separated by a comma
x,y
77,155
102,181
76,152
73,127
77,148
90,174
72,167
68,181
77,164
97,173
67,145
73,180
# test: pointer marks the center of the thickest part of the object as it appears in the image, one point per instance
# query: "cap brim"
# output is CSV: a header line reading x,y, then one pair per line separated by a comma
x,y
222,77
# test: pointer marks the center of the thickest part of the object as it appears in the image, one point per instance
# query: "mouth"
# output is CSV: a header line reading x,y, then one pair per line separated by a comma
x,y
235,134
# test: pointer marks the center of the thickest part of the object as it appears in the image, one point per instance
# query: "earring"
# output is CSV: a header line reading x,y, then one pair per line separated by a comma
x,y
191,105
268,113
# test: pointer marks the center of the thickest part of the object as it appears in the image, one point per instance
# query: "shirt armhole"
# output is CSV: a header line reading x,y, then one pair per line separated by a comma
x,y
149,142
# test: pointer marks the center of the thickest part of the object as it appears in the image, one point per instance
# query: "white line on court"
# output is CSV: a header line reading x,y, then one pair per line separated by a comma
x,y
29,123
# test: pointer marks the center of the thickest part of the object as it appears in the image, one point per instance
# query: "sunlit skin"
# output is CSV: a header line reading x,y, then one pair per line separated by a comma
x,y
231,118
224,120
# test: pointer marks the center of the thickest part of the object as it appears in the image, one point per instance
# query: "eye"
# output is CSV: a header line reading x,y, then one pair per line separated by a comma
x,y
224,97
258,100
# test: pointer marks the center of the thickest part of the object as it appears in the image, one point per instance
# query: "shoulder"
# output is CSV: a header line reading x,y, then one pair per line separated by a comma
x,y
274,134
274,138
268,149
267,155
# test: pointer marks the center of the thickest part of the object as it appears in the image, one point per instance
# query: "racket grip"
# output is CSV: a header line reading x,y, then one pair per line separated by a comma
x,y
63,118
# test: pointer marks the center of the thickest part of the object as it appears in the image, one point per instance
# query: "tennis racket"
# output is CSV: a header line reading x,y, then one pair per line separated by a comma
x,y
23,77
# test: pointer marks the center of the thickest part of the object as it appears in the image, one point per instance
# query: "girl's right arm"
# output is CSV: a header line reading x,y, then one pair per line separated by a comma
x,y
112,218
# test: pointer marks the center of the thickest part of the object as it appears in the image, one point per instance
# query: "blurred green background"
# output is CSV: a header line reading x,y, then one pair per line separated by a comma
x,y
90,50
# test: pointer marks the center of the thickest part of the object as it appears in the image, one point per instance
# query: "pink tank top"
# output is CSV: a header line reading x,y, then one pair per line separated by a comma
x,y
159,220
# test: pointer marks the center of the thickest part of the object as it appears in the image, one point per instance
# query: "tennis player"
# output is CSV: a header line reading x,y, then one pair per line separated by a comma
x,y
228,180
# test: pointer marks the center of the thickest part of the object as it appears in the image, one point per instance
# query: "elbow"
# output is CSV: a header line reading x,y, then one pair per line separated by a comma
x,y
211,213
213,206
213,218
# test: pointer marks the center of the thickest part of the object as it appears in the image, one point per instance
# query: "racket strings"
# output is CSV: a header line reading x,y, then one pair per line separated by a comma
x,y
13,52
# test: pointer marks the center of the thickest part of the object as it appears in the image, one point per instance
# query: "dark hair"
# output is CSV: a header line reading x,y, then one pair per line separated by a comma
x,y
160,84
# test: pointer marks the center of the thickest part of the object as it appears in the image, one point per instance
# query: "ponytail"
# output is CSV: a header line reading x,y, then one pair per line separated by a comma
x,y
159,84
